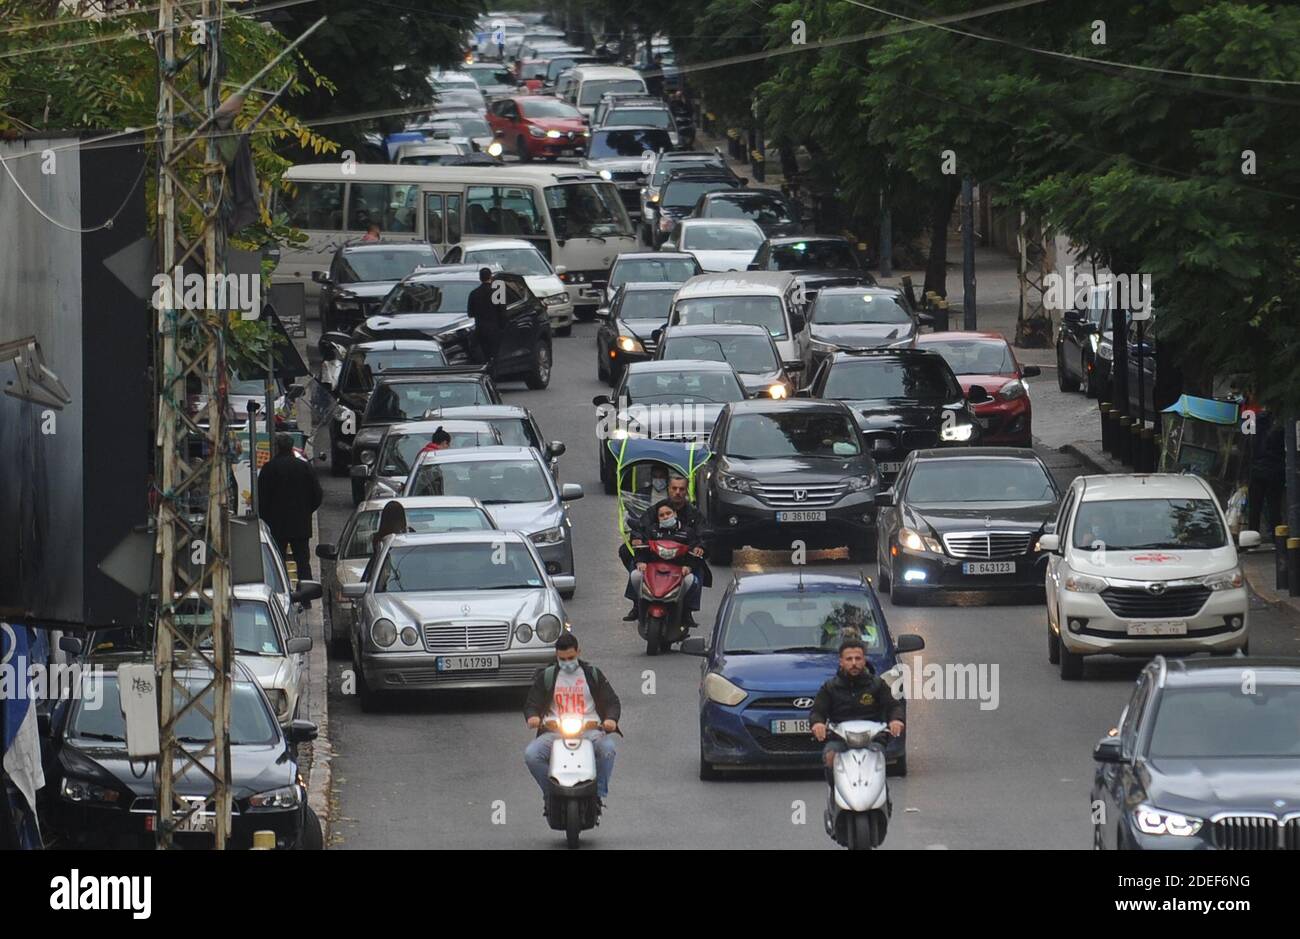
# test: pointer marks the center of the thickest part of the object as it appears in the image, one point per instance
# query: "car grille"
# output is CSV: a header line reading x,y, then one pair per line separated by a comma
x,y
785,743
777,704
506,674
466,637
815,495
650,346
1255,833
1139,603
987,544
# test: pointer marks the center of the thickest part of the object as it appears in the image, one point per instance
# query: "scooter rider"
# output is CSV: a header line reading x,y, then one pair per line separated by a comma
x,y
670,528
687,515
854,693
572,686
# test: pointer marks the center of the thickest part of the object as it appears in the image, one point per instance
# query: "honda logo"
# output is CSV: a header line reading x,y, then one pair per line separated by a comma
x,y
803,703
800,495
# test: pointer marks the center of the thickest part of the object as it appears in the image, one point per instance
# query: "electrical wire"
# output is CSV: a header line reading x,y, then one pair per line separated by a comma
x,y
107,223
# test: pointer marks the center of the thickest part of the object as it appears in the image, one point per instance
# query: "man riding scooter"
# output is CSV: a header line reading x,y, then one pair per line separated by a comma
x,y
690,520
854,693
669,527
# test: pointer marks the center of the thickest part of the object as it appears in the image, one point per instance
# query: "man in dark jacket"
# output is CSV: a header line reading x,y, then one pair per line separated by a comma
x,y
855,693
668,527
572,687
1267,473
688,516
288,494
489,319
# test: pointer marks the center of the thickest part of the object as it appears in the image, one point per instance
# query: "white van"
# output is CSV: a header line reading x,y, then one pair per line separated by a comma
x,y
573,216
758,298
587,84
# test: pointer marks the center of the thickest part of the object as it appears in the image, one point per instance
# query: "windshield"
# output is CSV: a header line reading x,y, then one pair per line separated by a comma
x,y
423,521
684,193
486,77
721,238
1225,723
523,261
1141,524
473,566
363,365
401,451
250,720
685,387
627,143
587,210
990,357
635,117
544,108
814,255
646,305
385,265
764,210
839,309
798,433
970,480
592,91
745,353
445,296
254,629
430,159
407,401
926,380
492,483
461,127
755,311
799,622
653,271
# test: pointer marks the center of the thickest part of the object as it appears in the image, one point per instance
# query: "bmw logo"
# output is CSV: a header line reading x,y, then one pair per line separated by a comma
x,y
803,703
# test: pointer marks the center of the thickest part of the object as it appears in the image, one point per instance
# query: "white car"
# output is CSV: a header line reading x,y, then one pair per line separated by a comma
x,y
517,256
267,645
1141,565
718,244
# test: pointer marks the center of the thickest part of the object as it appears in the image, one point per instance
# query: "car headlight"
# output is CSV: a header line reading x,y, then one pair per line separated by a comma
x,y
913,540
549,628
276,800
859,483
495,149
717,688
548,536
1012,390
957,432
606,174
536,131
383,633
1084,583
778,391
78,790
410,636
586,133
630,344
1152,821
1224,580
554,134
556,299
731,483
653,198
523,633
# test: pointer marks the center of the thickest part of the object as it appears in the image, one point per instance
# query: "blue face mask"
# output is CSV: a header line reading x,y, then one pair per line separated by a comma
x,y
569,666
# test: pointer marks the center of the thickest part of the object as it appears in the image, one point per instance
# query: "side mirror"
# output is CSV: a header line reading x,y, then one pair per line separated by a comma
x,y
360,471
753,266
570,492
793,366
354,591
301,732
601,401
978,394
555,448
1248,539
1049,542
298,645
694,646
320,277
602,313
926,319
908,642
71,645
1108,750
885,499
1030,371
327,552
307,590
561,269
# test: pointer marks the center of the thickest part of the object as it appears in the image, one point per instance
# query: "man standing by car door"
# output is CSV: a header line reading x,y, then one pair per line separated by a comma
x,y
288,494
489,319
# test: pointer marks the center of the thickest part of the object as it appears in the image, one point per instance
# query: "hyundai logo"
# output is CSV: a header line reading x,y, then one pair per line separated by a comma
x,y
803,703
800,495
1156,589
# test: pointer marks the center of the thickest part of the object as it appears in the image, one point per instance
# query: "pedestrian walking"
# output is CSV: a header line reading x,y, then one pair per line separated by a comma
x,y
489,319
288,494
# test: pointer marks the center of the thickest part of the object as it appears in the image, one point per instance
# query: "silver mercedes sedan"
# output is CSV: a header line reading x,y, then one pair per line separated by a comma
x,y
454,610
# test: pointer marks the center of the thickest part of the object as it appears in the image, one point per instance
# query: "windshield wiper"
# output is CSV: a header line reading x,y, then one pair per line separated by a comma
x,y
90,735
803,649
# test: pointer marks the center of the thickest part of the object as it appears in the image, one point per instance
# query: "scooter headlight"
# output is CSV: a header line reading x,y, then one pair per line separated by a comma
x,y
571,726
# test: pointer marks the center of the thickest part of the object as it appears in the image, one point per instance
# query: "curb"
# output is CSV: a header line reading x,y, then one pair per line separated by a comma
x,y
1084,457
321,777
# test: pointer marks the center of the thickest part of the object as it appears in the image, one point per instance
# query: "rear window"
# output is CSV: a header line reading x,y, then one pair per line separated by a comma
x,y
683,193
394,264
752,311
868,380
364,365
814,255
407,401
653,271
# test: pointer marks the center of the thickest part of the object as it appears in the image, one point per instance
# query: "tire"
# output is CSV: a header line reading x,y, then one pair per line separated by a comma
x,y
882,578
568,594
366,697
312,836
521,150
565,331
540,375
1063,381
1071,664
1090,388
708,772
898,767
607,480
653,631
1053,646
859,831
337,466
602,367
615,375
572,822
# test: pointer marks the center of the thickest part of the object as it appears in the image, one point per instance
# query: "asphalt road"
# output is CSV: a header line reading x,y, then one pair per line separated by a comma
x,y
447,770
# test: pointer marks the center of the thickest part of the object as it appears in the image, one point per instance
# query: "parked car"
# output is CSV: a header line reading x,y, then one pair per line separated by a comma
x,y
270,647
1197,762
718,244
1143,564
769,210
361,275
383,468
774,643
750,350
986,359
517,256
539,127
626,333
966,519
1077,338
860,317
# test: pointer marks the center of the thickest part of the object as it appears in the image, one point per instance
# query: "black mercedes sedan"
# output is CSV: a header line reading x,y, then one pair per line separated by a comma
x,y
965,519
1206,756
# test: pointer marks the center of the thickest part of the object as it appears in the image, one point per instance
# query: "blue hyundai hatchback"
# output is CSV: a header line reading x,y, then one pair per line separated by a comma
x,y
775,641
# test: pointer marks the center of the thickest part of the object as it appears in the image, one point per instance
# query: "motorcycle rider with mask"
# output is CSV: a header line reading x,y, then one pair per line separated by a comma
x,y
669,527
691,520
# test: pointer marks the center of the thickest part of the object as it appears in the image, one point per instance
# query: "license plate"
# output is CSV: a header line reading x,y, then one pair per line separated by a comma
x,y
807,515
889,467
791,727
989,567
1173,627
568,152
198,823
467,663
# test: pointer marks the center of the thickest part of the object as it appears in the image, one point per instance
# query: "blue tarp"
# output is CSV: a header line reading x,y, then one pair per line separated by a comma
x,y
1204,409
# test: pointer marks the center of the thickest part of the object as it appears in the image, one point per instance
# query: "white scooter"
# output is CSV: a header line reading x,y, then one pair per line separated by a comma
x,y
571,803
857,802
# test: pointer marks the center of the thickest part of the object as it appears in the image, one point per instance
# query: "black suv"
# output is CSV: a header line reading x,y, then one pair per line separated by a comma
x,y
904,400
817,261
361,275
769,210
1206,756
789,470
680,193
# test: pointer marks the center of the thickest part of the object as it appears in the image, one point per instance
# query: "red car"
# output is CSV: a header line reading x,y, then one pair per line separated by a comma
x,y
539,126
986,359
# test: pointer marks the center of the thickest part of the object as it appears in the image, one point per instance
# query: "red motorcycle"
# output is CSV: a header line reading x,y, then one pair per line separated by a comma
x,y
661,605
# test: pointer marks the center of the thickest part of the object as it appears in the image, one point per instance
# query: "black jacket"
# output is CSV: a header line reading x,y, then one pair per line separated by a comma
x,y
866,698
542,693
688,515
489,317
288,493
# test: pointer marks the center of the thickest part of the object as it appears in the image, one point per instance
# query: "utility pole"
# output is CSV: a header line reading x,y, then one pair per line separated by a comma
x,y
193,524
968,252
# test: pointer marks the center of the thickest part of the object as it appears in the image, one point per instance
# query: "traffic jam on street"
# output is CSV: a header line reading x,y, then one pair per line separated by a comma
x,y
620,455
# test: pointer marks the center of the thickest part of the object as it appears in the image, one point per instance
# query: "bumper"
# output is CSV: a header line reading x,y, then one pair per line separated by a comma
x,y
561,315
925,571
547,148
100,829
1101,631
741,737
418,671
586,294
1006,426
745,520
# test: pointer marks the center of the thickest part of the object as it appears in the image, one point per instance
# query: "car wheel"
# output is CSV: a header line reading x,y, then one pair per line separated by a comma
x,y
708,772
1071,664
602,367
1053,645
1063,380
606,475
521,150
882,578
898,767
540,376
1089,383
366,697
568,594
312,836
